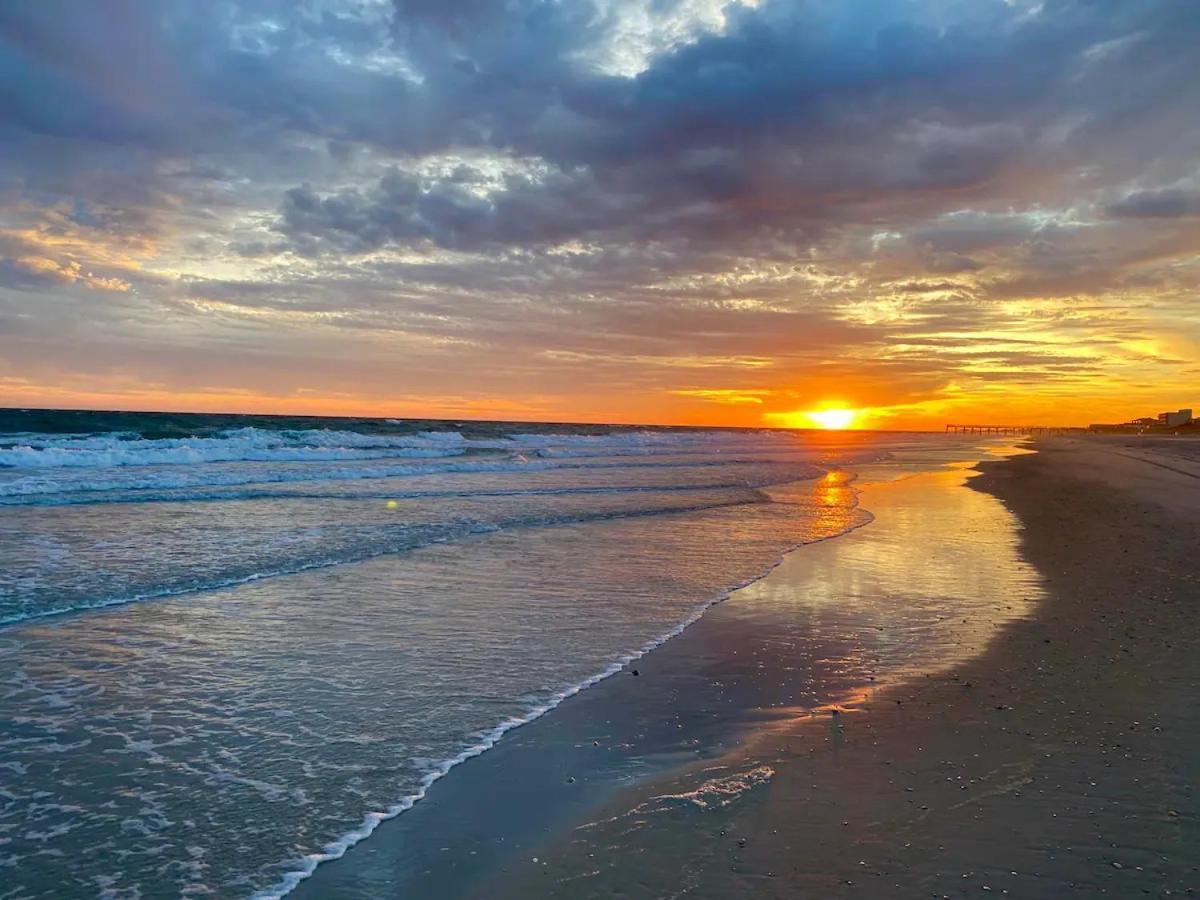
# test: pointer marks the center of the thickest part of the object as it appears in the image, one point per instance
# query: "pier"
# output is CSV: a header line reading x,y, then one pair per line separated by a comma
x,y
1012,429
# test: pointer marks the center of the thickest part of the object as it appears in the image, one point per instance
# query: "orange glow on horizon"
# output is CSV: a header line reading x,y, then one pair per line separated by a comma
x,y
647,408
832,419
828,417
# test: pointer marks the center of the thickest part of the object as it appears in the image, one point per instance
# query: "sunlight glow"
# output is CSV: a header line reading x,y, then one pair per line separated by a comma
x,y
831,418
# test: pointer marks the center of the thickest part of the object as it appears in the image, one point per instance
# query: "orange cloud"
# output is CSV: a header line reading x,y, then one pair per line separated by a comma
x,y
69,272
734,397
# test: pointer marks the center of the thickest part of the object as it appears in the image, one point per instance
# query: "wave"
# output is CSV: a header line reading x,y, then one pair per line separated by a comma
x,y
250,444
411,538
17,490
240,445
188,495
485,740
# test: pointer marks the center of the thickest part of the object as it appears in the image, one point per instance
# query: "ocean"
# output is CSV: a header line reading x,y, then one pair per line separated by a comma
x,y
231,646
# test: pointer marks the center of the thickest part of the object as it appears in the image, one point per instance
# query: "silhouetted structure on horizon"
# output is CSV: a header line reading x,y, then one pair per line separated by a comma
x,y
1173,422
1011,429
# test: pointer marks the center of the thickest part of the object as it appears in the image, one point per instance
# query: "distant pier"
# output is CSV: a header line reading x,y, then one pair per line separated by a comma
x,y
1012,429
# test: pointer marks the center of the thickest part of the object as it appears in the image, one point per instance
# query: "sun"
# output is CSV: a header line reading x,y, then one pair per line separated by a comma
x,y
831,418
827,416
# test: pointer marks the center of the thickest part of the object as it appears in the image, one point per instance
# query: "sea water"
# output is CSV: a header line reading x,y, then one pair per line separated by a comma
x,y
232,647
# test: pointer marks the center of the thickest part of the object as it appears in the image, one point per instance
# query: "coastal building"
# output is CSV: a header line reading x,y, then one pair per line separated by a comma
x,y
1172,419
1177,419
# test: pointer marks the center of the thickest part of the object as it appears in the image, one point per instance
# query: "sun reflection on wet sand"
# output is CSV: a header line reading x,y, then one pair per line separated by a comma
x,y
922,589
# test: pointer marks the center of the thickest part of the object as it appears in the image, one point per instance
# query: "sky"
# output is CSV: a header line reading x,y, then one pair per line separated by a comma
x,y
661,211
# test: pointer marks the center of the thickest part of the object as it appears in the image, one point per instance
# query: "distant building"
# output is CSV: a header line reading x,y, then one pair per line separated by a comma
x,y
1172,419
1151,424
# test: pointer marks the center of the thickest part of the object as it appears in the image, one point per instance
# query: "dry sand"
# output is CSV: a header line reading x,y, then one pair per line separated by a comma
x,y
1062,762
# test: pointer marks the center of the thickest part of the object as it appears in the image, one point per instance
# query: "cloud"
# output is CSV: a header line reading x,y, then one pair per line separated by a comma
x,y
793,120
723,395
606,195
1160,204
33,271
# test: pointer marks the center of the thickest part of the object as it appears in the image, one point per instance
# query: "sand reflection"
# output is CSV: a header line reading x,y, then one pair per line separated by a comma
x,y
922,589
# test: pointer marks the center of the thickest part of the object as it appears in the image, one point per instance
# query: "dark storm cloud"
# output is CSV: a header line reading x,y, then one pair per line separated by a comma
x,y
796,118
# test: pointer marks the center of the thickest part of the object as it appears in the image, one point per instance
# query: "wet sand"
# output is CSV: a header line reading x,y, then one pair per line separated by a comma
x,y
1062,761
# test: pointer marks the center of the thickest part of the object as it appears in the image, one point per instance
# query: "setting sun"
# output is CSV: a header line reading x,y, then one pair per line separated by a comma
x,y
831,418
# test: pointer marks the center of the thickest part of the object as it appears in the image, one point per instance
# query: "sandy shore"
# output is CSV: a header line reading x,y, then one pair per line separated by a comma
x,y
1063,761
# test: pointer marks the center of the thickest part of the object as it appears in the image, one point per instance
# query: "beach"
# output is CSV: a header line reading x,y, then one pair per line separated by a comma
x,y
599,665
1060,762
1052,757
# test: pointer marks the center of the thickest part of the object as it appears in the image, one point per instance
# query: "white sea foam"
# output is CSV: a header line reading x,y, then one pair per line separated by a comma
x,y
65,468
717,792
213,476
240,445
33,451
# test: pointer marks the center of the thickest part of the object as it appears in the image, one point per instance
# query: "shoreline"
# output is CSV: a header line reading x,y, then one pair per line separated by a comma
x,y
700,695
1058,762
487,740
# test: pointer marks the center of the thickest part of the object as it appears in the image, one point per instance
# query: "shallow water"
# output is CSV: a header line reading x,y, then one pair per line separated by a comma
x,y
339,620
